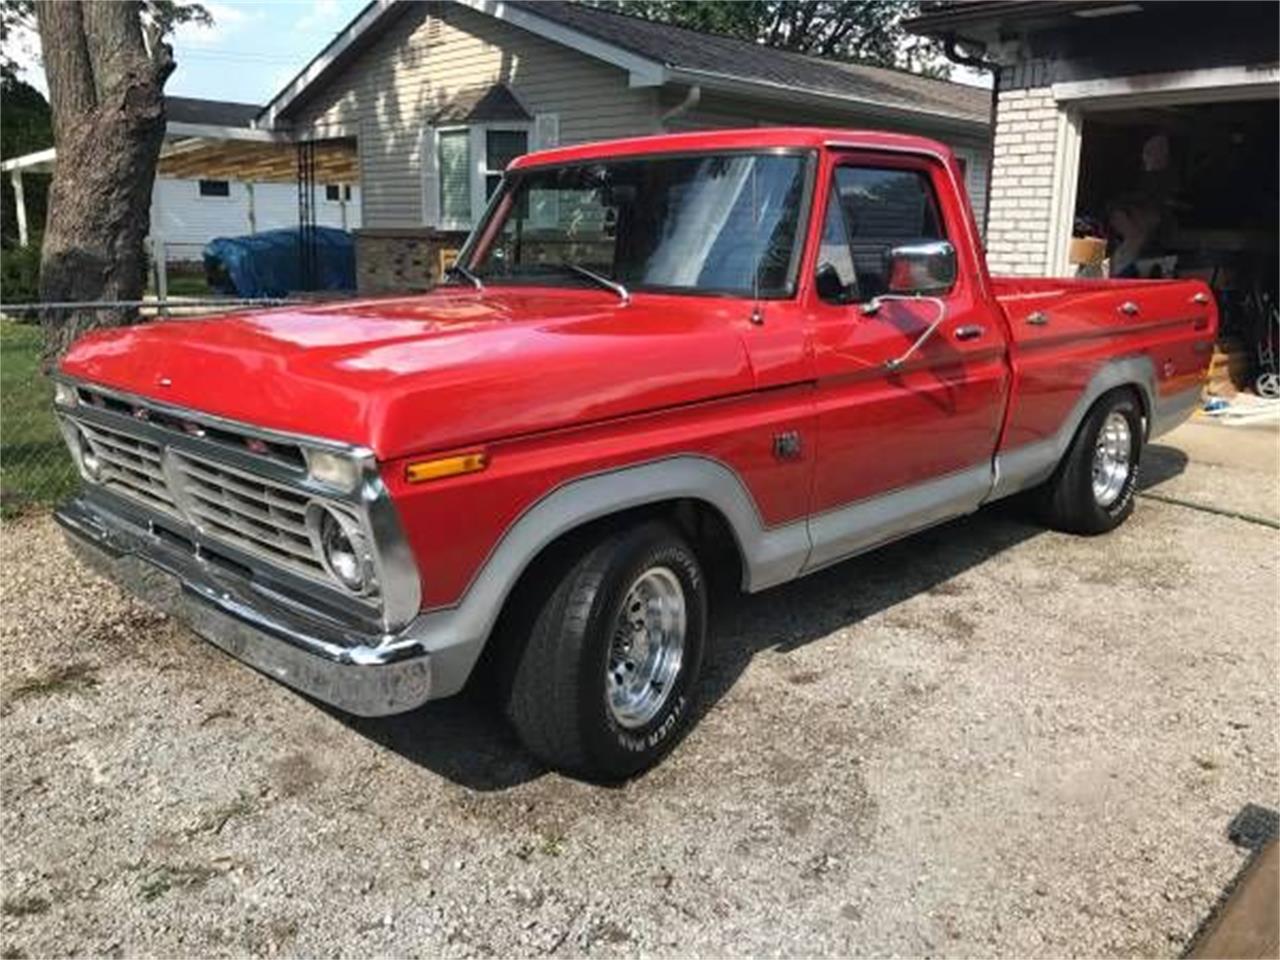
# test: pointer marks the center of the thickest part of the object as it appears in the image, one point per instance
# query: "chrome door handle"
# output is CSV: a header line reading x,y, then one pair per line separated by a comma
x,y
970,331
1129,308
1038,319
1200,298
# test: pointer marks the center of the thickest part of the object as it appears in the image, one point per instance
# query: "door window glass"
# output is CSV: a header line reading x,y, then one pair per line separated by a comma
x,y
837,282
884,208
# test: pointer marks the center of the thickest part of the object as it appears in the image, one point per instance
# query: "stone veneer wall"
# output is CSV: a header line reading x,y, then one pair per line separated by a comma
x,y
1026,143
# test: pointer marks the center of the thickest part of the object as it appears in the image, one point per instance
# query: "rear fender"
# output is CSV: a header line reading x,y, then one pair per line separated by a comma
x,y
1024,467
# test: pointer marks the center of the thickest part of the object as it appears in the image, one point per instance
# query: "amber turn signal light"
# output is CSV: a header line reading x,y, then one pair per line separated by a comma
x,y
423,470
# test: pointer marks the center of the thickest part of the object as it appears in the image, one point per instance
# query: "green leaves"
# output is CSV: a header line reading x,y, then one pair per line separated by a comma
x,y
864,31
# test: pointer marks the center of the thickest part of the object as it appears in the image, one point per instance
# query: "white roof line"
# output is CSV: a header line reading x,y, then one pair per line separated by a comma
x,y
643,71
28,160
322,61
712,79
173,131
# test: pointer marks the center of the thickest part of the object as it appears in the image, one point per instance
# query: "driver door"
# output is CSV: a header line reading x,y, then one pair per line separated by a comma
x,y
899,447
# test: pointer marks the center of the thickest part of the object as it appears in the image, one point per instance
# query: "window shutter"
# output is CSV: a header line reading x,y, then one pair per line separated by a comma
x,y
429,158
544,205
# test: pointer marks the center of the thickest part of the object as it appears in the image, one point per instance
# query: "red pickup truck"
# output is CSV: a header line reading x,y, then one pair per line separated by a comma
x,y
659,362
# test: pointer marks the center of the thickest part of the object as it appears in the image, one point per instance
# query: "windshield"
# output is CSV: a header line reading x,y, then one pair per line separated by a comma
x,y
708,223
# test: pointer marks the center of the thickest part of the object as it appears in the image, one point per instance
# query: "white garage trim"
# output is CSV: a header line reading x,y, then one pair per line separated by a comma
x,y
1181,86
1066,178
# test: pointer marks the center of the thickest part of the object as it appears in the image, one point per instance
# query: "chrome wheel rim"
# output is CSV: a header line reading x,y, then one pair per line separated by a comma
x,y
1111,459
647,648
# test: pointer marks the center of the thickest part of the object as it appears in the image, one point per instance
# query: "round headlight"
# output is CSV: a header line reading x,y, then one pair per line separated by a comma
x,y
64,394
344,549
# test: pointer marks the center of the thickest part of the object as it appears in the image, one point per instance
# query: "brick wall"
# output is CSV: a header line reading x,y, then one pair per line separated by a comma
x,y
400,260
1022,182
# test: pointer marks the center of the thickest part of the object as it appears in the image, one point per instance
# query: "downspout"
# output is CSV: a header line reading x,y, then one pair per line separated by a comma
x,y
691,98
978,63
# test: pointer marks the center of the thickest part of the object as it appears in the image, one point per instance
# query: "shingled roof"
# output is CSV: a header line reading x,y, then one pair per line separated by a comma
x,y
216,113
728,57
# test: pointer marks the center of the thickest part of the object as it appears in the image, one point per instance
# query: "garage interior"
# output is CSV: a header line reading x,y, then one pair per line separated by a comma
x,y
1191,190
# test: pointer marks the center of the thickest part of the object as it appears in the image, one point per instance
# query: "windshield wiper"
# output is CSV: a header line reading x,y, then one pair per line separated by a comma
x,y
619,289
458,270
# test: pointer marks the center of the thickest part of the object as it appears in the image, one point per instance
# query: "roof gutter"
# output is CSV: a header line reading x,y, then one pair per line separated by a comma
x,y
728,83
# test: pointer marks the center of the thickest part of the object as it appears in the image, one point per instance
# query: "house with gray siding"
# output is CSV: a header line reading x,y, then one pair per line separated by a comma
x,y
437,97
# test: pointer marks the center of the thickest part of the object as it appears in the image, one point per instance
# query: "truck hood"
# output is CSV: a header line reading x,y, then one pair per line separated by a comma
x,y
433,372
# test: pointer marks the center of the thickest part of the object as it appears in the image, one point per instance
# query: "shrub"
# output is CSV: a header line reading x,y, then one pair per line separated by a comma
x,y
20,274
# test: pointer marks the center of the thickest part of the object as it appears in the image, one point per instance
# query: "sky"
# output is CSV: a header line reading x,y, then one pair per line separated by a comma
x,y
250,52
254,48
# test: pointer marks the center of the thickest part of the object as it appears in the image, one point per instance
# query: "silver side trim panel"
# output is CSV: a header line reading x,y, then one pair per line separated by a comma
x,y
846,531
1024,467
1172,411
453,638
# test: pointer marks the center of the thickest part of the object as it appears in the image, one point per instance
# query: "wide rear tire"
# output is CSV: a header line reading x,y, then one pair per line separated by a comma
x,y
1094,487
603,686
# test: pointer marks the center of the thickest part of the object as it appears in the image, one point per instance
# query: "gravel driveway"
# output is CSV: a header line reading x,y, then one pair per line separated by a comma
x,y
989,739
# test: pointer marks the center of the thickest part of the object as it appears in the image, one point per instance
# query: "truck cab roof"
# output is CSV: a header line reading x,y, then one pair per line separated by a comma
x,y
757,138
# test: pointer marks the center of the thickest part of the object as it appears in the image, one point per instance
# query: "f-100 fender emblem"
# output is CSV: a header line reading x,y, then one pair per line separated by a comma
x,y
787,445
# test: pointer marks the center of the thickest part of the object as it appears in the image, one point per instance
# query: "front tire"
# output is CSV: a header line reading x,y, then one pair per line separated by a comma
x,y
1093,489
603,687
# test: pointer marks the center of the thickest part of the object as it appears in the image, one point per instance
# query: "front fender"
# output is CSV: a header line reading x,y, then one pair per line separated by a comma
x,y
455,636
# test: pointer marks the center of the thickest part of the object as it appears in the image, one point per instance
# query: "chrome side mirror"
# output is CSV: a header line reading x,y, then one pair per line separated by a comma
x,y
920,268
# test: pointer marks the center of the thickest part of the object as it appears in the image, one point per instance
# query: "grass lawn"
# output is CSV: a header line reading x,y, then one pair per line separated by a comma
x,y
35,468
185,285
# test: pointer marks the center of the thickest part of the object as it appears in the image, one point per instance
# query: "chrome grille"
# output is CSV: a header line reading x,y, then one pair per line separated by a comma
x,y
258,516
130,465
162,418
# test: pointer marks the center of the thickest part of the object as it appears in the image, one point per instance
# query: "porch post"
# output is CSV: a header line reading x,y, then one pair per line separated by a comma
x,y
253,213
20,204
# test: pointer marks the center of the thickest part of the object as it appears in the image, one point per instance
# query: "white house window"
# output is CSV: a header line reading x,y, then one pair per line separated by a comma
x,y
215,188
463,165
454,147
336,192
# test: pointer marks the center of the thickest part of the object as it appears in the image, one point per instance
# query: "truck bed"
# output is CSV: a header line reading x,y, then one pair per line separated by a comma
x,y
1064,331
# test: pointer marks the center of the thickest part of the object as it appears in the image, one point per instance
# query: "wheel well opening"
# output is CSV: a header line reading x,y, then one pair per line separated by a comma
x,y
1139,396
701,523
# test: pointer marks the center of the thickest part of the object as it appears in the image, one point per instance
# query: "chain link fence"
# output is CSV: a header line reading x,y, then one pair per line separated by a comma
x,y
35,469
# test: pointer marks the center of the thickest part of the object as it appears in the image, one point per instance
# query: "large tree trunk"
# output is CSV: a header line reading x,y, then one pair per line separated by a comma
x,y
107,93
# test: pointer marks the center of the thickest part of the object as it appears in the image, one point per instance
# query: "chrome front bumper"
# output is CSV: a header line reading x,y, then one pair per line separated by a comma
x,y
363,674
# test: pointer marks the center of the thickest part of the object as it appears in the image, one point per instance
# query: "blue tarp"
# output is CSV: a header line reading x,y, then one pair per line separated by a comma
x,y
269,264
